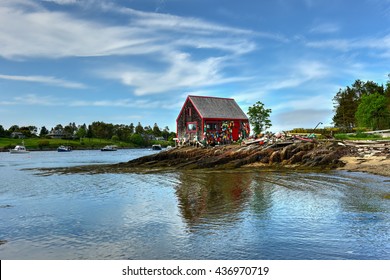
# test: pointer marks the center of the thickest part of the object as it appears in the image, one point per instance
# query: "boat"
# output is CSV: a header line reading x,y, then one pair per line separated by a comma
x,y
63,148
156,147
108,148
19,149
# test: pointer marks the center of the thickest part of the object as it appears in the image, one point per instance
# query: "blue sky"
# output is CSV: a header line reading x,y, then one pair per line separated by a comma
x,y
130,61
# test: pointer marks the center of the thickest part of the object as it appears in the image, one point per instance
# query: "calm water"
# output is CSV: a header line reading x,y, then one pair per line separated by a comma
x,y
188,215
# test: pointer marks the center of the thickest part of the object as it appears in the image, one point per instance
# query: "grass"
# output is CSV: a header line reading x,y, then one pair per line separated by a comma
x,y
52,144
359,136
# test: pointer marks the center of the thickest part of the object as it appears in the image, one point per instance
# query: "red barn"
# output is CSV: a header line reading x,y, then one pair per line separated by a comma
x,y
211,119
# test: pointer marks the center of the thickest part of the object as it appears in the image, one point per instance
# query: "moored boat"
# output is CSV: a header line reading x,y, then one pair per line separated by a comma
x,y
108,148
19,149
156,147
63,148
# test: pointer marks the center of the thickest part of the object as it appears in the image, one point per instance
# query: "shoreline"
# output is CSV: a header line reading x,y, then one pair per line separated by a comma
x,y
297,156
378,165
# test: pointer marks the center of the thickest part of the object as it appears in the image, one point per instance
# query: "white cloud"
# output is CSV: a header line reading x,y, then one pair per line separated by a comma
x,y
161,38
182,72
325,28
44,80
62,2
379,43
33,99
44,33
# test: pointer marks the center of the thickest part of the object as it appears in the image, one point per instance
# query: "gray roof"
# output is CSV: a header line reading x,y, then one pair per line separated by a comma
x,y
215,107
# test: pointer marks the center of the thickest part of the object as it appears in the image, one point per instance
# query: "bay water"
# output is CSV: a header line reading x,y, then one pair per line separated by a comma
x,y
198,214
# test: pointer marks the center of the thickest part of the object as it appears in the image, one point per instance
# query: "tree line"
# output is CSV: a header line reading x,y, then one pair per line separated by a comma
x,y
363,105
102,130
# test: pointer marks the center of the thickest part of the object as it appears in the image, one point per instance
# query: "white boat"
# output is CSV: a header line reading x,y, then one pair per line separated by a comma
x,y
63,148
19,149
108,148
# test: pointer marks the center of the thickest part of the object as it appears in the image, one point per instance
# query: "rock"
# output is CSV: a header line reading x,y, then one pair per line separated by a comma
x,y
275,157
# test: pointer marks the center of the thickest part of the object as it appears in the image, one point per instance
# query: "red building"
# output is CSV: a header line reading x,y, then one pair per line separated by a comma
x,y
212,119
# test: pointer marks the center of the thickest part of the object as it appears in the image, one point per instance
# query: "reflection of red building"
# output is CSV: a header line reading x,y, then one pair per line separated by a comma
x,y
214,119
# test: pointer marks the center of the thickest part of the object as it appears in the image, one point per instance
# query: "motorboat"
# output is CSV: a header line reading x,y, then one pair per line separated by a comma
x,y
108,148
63,148
19,149
156,147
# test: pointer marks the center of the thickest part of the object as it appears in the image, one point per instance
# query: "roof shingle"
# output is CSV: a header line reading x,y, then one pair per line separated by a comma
x,y
215,107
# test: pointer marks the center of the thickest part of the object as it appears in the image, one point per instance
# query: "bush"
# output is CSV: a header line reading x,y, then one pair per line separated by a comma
x,y
341,136
43,143
137,139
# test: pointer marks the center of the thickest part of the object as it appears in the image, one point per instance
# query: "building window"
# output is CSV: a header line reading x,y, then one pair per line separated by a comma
x,y
191,127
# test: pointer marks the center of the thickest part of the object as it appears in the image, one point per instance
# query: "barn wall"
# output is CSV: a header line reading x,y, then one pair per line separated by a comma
x,y
189,115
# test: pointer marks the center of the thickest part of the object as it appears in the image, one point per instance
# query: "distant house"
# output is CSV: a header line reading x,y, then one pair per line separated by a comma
x,y
211,119
58,134
17,135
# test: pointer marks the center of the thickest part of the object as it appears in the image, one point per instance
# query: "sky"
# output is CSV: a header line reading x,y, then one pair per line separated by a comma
x,y
130,61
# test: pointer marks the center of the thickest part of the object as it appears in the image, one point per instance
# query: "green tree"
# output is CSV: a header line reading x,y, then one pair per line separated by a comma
x,y
345,105
259,117
43,131
137,139
81,131
347,101
156,130
2,131
165,133
131,128
13,128
372,112
139,128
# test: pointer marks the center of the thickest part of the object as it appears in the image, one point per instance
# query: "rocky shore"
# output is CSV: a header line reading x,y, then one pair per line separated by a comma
x,y
373,158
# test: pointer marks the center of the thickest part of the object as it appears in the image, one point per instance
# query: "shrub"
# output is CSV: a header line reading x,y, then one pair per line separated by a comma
x,y
43,143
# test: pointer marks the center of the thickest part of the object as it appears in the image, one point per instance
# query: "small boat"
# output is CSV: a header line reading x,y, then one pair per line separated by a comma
x,y
63,148
156,147
19,149
108,148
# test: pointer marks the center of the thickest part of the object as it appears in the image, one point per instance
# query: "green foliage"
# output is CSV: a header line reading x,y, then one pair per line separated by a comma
x,y
137,139
43,131
349,113
372,112
259,117
357,136
2,131
43,143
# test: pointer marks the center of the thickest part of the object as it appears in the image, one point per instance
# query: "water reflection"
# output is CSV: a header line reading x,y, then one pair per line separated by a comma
x,y
240,214
220,197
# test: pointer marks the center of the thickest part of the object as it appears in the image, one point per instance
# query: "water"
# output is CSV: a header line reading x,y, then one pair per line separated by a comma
x,y
187,215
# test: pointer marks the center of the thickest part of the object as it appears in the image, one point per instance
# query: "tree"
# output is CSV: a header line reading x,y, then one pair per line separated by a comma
x,y
346,103
82,131
131,128
137,139
165,133
2,131
156,130
13,128
43,131
139,128
372,112
259,117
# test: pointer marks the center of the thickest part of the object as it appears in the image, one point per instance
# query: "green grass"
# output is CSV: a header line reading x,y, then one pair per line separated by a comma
x,y
53,144
359,136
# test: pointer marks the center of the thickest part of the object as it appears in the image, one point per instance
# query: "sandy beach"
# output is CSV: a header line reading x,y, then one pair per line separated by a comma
x,y
379,165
